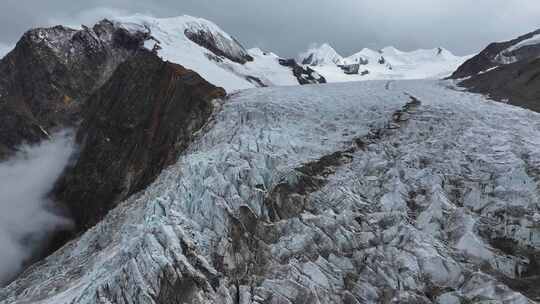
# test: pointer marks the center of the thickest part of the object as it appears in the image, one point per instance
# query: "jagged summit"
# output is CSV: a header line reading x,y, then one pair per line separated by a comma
x,y
320,55
46,79
201,31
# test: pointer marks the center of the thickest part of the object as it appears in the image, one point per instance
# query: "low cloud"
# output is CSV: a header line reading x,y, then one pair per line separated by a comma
x,y
87,17
27,216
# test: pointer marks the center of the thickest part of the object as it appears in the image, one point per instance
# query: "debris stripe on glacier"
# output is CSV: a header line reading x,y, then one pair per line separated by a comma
x,y
419,246
406,255
259,136
277,129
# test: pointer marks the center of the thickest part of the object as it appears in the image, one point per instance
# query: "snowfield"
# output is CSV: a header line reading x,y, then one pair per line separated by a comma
x,y
361,192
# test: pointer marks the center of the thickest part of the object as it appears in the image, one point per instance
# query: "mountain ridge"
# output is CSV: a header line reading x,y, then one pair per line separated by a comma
x,y
506,71
386,63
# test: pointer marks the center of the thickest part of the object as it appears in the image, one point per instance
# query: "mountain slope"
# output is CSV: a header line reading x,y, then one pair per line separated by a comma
x,y
134,126
369,192
507,71
526,47
517,84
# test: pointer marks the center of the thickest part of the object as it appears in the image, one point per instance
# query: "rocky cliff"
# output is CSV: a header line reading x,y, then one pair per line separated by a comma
x,y
507,71
500,53
46,79
134,125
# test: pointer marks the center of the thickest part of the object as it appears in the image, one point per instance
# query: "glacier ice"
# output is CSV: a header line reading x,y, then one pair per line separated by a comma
x,y
398,202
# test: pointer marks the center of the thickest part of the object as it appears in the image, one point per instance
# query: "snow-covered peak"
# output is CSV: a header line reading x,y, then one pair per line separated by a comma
x,y
200,31
140,22
362,57
392,63
390,50
204,47
395,55
321,55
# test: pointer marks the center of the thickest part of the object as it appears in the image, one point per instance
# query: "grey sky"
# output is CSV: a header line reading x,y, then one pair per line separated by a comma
x,y
289,27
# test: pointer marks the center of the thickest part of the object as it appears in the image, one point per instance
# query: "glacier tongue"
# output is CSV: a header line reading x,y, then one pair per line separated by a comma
x,y
386,192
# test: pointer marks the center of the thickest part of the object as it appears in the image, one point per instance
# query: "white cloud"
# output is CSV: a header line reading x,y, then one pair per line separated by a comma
x,y
26,214
87,17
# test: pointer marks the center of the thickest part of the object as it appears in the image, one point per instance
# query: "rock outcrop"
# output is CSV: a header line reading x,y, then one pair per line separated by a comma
x,y
304,75
51,72
218,44
134,125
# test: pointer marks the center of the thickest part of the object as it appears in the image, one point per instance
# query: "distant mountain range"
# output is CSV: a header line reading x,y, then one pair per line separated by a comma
x,y
387,63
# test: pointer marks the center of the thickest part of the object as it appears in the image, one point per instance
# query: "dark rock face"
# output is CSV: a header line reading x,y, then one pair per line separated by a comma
x,y
495,55
504,73
51,72
517,83
305,75
350,69
18,124
134,126
219,45
308,60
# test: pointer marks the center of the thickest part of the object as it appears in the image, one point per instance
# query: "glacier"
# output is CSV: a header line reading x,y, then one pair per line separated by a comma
x,y
405,191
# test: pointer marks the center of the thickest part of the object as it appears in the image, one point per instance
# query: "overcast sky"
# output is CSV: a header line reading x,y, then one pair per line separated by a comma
x,y
287,27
